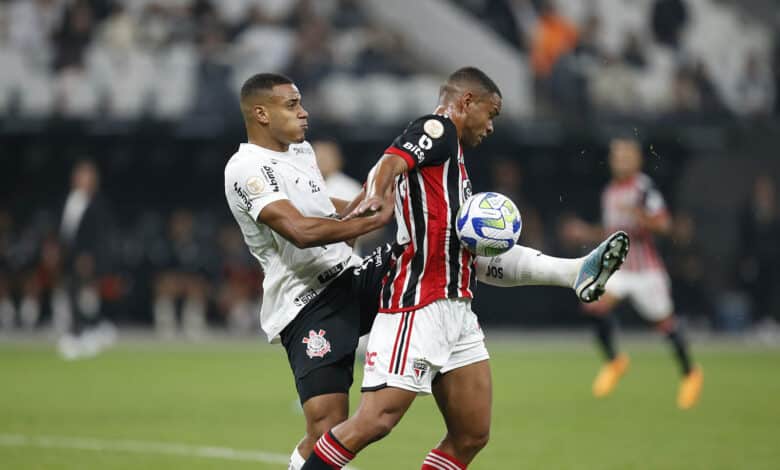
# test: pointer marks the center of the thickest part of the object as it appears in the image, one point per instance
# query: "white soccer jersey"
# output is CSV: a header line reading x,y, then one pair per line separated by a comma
x,y
256,177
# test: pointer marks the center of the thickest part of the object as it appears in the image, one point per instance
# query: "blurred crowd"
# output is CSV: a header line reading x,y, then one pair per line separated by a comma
x,y
165,58
678,57
162,58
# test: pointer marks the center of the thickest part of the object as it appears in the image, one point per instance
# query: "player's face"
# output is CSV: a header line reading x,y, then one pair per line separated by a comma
x,y
287,120
479,118
625,158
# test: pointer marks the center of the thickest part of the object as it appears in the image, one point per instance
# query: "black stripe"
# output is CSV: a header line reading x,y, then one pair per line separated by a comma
x,y
453,192
387,287
420,230
397,358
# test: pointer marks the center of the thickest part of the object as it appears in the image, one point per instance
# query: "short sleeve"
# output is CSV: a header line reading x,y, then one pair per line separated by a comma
x,y
654,202
430,140
251,191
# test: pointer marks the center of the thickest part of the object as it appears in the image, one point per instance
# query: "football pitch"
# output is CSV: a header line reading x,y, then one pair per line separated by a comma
x,y
230,404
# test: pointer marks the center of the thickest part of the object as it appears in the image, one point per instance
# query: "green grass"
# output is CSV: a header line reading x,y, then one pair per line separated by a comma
x,y
241,396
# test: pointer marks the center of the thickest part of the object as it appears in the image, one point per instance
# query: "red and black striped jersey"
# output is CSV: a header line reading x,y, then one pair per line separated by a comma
x,y
619,205
430,263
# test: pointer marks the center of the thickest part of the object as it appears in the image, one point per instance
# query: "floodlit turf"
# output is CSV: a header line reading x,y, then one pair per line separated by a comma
x,y
240,396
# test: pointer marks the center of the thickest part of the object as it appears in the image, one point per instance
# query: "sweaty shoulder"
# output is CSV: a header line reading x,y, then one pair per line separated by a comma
x,y
426,141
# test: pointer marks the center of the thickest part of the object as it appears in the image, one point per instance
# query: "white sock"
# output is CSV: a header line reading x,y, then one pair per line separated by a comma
x,y
194,317
296,460
29,311
164,316
523,266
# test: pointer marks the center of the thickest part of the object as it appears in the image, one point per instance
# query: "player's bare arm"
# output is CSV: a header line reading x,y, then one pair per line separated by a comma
x,y
305,232
379,185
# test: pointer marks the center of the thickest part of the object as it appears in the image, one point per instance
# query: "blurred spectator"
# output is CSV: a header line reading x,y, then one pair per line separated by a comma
x,y
240,283
759,260
331,162
686,263
693,91
312,59
340,186
84,230
31,24
633,53
72,39
508,180
669,18
755,89
7,308
554,36
183,267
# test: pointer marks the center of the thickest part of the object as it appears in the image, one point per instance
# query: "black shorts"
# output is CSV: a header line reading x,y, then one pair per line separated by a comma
x,y
321,340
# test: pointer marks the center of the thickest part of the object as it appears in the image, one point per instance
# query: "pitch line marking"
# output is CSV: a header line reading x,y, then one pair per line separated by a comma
x,y
142,447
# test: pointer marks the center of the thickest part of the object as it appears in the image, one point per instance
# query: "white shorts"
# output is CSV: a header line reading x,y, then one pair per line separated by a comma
x,y
648,291
407,350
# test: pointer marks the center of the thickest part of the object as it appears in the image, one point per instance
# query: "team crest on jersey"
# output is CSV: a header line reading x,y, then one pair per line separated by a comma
x,y
420,367
434,128
255,185
316,344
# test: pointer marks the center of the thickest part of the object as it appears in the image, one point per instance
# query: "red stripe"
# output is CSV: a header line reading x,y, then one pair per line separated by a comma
x,y
393,150
408,340
406,256
448,458
435,274
325,458
395,345
345,454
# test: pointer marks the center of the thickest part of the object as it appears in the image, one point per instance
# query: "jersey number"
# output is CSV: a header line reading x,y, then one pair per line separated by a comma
x,y
425,142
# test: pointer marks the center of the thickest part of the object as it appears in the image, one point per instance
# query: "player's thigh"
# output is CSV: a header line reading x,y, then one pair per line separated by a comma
x,y
651,296
464,396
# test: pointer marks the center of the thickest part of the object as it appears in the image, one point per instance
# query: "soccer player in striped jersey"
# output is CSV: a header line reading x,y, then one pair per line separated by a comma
x,y
632,203
426,339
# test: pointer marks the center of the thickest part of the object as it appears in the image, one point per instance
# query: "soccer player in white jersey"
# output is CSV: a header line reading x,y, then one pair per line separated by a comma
x,y
632,203
276,194
426,339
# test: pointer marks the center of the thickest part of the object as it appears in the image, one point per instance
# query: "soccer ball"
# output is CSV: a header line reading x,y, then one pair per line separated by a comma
x,y
488,224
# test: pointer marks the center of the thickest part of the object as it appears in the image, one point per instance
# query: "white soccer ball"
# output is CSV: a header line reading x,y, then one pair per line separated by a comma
x,y
488,224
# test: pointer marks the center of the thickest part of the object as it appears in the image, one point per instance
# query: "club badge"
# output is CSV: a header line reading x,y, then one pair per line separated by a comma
x,y
316,344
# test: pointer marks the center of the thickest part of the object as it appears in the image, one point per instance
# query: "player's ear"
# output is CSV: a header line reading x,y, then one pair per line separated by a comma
x,y
261,114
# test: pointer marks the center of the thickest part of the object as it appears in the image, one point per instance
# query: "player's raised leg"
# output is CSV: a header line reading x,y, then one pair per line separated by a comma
x,y
464,396
523,266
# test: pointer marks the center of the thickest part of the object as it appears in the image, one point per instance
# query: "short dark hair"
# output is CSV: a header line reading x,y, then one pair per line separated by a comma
x,y
262,82
470,75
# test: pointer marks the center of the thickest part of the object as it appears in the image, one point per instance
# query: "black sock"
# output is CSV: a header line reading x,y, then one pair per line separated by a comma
x,y
605,329
680,346
314,462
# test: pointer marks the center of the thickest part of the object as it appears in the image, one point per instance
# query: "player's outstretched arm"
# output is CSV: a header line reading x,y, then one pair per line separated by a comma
x,y
305,232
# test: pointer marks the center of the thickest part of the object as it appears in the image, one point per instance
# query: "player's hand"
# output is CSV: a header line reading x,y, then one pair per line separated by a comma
x,y
367,207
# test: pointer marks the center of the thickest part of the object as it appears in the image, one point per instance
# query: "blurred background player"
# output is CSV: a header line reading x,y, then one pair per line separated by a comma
x,y
83,237
342,186
632,203
183,279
